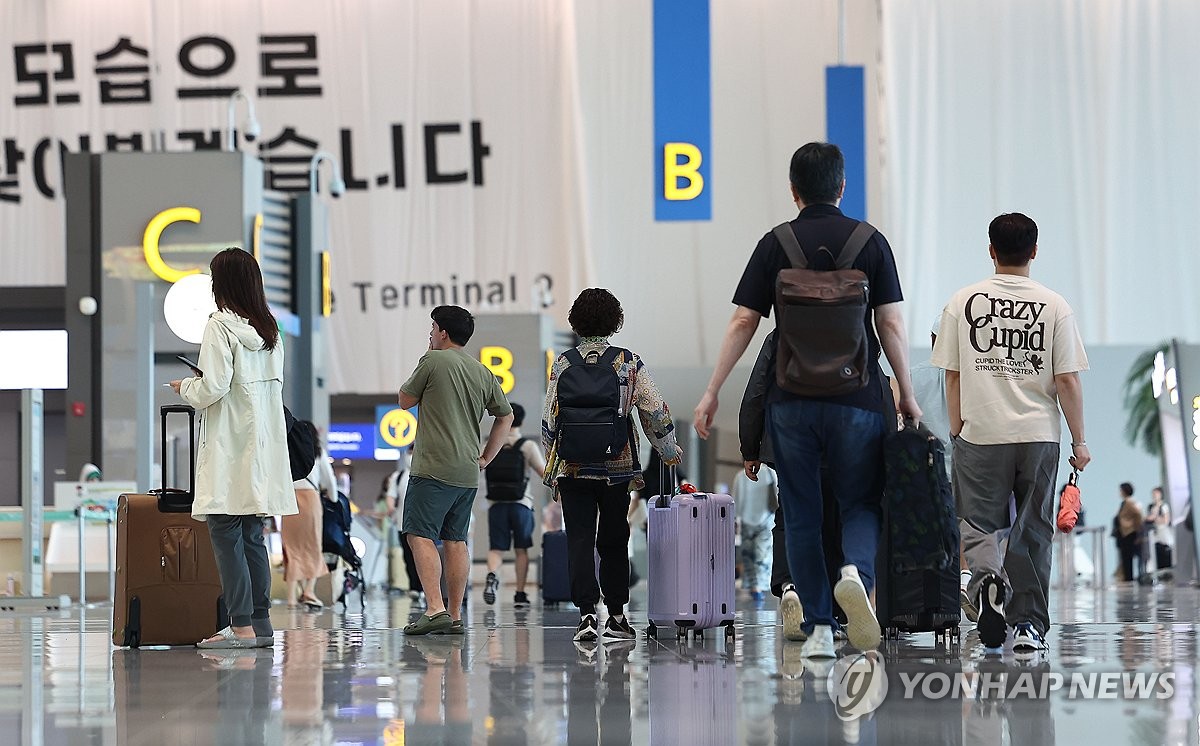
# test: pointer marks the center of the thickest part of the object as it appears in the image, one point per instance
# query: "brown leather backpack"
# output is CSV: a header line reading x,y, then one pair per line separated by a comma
x,y
823,347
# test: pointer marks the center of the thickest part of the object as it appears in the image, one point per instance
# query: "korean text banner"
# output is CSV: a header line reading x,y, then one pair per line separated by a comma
x,y
456,124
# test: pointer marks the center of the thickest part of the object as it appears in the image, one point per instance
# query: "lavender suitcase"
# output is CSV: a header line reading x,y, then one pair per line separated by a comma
x,y
691,554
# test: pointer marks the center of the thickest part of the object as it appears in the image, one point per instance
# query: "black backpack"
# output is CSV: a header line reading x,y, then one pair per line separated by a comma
x,y
592,427
506,480
302,445
823,348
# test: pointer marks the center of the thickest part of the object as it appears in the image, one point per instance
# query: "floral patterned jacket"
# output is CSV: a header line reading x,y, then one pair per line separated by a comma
x,y
637,390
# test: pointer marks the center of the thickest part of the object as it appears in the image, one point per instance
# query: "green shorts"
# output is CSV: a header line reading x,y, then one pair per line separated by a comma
x,y
436,510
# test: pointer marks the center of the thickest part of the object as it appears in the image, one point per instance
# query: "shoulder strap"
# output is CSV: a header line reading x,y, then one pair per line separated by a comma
x,y
520,442
791,246
610,355
573,357
854,245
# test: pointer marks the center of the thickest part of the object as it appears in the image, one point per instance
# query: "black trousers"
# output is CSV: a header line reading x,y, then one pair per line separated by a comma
x,y
583,501
1129,548
410,566
831,539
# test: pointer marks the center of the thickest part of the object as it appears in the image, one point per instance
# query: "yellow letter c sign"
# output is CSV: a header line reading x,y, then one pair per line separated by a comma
x,y
154,231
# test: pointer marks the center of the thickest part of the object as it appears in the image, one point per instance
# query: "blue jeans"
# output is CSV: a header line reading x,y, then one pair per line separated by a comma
x,y
850,440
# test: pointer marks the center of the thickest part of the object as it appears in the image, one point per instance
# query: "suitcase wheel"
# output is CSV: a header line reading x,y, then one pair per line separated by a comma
x,y
652,631
681,633
729,631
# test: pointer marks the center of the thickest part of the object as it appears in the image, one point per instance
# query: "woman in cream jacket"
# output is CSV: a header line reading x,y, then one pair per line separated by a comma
x,y
242,467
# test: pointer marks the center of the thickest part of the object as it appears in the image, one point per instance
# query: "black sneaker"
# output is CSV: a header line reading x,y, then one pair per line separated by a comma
x,y
588,629
490,587
521,600
991,626
617,628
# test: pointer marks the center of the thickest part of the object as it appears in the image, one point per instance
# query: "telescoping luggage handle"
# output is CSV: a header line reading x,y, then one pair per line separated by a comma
x,y
173,499
664,499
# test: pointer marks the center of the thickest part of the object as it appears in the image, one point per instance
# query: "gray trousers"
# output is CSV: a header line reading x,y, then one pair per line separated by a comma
x,y
1017,551
244,567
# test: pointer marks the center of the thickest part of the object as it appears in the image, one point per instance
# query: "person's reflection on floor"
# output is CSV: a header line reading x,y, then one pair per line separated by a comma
x,y
804,711
443,710
598,708
303,684
510,690
245,690
1028,720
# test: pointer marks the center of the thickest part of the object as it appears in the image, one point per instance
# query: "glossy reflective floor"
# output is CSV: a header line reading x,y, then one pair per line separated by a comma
x,y
517,678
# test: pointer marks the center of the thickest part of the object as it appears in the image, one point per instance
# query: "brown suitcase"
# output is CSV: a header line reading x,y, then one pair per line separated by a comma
x,y
168,591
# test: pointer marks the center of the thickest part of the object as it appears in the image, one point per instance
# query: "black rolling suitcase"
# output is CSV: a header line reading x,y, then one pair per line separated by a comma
x,y
917,587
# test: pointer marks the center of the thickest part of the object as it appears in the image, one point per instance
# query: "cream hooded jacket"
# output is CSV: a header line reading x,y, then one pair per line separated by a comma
x,y
242,465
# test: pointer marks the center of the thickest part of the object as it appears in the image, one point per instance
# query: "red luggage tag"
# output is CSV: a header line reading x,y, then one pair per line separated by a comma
x,y
687,488
1069,504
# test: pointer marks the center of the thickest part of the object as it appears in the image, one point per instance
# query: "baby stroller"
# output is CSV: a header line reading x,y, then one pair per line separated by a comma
x,y
336,545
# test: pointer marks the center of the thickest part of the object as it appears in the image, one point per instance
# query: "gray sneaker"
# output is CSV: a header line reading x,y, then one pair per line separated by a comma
x,y
792,614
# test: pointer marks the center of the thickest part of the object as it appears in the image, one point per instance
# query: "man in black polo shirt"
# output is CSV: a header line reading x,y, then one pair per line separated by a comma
x,y
847,430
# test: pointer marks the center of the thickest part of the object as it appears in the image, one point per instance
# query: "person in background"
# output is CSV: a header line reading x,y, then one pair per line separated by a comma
x,y
397,485
601,490
242,466
510,507
90,473
303,561
756,500
454,391
1159,530
1128,526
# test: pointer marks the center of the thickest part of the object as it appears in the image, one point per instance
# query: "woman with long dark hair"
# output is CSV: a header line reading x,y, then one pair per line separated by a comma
x,y
242,467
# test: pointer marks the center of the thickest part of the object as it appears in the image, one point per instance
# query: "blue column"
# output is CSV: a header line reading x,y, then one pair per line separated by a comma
x,y
682,111
846,127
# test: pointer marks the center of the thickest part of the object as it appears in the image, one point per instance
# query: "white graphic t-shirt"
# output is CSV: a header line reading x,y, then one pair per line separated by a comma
x,y
1008,336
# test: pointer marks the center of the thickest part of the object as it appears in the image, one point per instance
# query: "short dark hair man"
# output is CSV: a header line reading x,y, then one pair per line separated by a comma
x,y
510,507
848,429
453,390
1012,355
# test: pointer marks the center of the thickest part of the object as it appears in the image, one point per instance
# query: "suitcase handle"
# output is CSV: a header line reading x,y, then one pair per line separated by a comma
x,y
172,499
664,499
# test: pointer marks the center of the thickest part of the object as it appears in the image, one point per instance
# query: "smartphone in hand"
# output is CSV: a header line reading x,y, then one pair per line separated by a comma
x,y
195,368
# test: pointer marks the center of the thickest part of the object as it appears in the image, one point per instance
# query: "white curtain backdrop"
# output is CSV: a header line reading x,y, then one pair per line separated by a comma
x,y
380,64
1082,115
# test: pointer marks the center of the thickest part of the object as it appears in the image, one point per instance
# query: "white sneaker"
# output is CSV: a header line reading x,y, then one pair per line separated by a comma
x,y
819,644
792,614
1027,640
861,627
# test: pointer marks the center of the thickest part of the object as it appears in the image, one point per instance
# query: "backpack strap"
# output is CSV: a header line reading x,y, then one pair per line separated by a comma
x,y
610,355
854,245
845,258
573,357
791,245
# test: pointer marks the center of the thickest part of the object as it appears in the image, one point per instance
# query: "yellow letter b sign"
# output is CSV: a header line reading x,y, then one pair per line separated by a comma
x,y
681,163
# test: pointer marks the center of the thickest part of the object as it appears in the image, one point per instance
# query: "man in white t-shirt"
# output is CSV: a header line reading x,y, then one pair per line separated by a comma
x,y
1012,355
510,507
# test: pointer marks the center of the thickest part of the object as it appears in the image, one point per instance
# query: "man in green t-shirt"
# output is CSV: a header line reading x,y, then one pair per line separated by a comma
x,y
453,390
